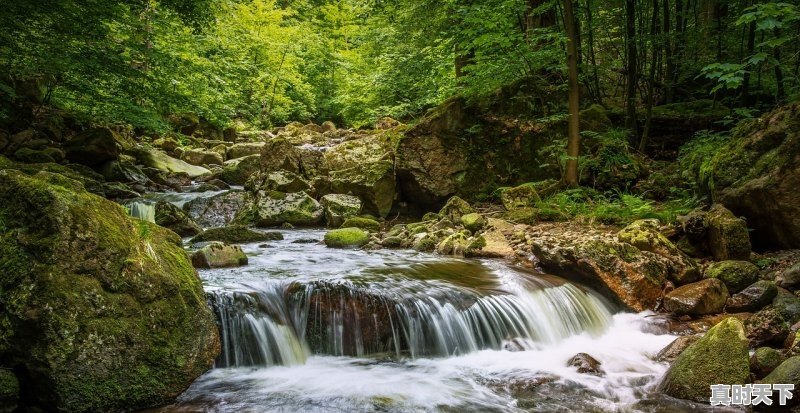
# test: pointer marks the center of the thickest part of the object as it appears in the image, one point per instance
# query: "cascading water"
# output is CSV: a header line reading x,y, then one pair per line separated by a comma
x,y
307,328
146,211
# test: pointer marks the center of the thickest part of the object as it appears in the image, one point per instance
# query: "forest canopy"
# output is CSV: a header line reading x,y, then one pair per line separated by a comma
x,y
268,62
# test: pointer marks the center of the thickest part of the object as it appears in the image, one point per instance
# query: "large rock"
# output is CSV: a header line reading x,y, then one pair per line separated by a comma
x,y
787,372
273,208
101,312
523,196
700,298
219,255
238,171
280,154
176,219
281,181
123,170
374,183
756,175
728,238
218,210
736,275
202,157
645,235
153,158
346,238
721,356
339,207
240,150
236,234
752,298
95,146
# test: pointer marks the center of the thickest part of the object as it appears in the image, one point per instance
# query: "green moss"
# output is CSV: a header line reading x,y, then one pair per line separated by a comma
x,y
787,372
473,222
363,223
736,275
765,360
346,237
9,390
236,234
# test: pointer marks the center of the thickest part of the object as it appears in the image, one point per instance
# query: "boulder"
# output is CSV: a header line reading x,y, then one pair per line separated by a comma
x,y
102,312
473,221
328,126
736,275
123,170
273,208
676,347
202,157
756,175
700,298
153,158
240,150
586,364
238,171
9,391
374,183
455,208
728,238
176,219
219,255
645,235
281,181
28,155
766,326
721,356
346,237
787,372
368,224
764,360
236,234
523,196
217,210
492,243
339,207
752,298
788,305
280,154
95,146
790,277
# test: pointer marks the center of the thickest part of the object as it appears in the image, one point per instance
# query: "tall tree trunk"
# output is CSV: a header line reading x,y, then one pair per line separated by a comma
x,y
751,45
573,139
631,67
651,78
597,93
667,27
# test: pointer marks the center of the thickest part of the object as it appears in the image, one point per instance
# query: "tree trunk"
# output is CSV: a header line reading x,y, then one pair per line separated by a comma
x,y
751,46
631,67
573,139
651,79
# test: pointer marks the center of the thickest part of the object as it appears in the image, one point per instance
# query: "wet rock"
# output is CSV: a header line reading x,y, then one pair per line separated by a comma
x,y
788,305
765,327
790,277
238,171
721,356
339,207
728,238
305,241
703,297
176,219
273,208
218,210
240,150
95,146
201,157
645,235
9,391
219,255
473,222
346,237
752,298
280,154
86,319
424,243
455,208
123,170
153,158
764,360
736,275
586,364
236,234
523,196
676,347
392,242
368,224
281,181
787,372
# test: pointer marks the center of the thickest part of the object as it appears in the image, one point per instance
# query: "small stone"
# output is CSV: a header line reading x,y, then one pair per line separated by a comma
x,y
790,277
346,237
586,364
219,255
703,297
473,222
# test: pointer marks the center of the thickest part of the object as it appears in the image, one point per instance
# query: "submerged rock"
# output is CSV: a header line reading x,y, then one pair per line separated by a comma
x,y
219,255
586,364
721,356
236,234
101,311
346,237
700,298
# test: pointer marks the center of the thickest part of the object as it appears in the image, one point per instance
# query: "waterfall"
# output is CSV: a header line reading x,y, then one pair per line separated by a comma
x,y
281,323
143,210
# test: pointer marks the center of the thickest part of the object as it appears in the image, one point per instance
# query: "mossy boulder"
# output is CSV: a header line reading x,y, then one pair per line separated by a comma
x,y
28,155
374,183
9,391
238,171
787,372
473,222
339,207
752,298
346,238
176,219
700,298
236,234
95,146
273,208
764,360
153,158
218,210
219,255
202,157
102,312
281,181
788,305
240,150
368,224
123,170
767,326
279,153
728,238
645,235
523,196
736,275
455,208
721,356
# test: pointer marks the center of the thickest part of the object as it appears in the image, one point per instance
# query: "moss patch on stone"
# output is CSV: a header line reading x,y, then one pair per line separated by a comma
x,y
346,237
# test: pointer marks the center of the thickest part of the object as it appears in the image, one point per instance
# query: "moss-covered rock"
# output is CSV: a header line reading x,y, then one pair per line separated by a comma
x,y
363,223
102,312
765,327
28,155
752,298
736,275
473,222
218,210
728,238
346,238
9,391
95,146
238,171
123,170
787,372
788,305
153,158
764,360
339,207
645,235
374,183
176,219
523,196
454,244
455,208
202,157
240,150
699,298
721,356
273,208
236,234
219,255
281,181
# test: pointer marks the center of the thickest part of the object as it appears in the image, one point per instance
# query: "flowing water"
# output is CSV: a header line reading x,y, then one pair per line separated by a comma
x,y
311,329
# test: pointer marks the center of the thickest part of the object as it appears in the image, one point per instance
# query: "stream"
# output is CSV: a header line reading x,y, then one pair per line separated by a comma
x,y
313,329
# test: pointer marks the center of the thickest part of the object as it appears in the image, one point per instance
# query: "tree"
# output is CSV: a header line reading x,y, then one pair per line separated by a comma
x,y
573,139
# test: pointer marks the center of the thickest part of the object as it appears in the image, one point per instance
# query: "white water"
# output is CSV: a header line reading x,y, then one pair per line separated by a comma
x,y
145,211
310,329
